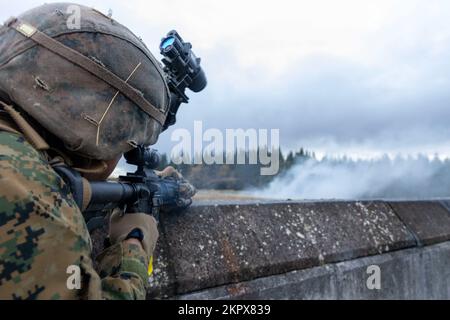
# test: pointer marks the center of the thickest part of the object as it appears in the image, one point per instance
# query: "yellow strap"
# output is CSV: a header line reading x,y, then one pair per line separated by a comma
x,y
150,266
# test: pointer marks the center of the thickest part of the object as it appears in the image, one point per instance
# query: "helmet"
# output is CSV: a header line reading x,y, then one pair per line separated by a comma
x,y
96,87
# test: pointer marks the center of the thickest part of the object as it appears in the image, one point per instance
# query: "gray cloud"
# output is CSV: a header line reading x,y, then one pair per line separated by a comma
x,y
371,79
395,100
327,100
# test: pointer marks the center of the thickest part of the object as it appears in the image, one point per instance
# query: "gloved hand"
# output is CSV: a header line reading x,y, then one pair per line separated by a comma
x,y
121,225
186,190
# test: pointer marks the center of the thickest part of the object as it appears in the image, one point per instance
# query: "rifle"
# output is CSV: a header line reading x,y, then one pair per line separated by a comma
x,y
143,190
139,191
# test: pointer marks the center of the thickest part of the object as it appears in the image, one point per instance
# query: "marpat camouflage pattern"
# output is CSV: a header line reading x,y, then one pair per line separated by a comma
x,y
42,233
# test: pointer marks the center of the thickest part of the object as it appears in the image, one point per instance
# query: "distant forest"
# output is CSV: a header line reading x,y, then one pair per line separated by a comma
x,y
302,175
236,176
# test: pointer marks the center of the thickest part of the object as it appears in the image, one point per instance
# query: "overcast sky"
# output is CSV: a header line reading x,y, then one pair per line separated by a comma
x,y
349,76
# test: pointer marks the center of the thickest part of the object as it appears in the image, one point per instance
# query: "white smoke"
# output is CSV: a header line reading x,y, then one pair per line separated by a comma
x,y
399,178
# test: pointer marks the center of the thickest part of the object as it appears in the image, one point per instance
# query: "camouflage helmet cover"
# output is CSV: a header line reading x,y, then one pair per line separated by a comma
x,y
92,117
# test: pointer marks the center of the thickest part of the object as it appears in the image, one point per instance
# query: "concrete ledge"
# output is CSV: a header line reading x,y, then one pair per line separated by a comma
x,y
428,220
211,246
418,273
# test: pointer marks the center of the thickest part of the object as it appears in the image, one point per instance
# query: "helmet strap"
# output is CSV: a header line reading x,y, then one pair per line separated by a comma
x,y
28,131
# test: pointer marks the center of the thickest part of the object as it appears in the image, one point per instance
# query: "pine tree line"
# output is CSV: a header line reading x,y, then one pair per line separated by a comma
x,y
235,176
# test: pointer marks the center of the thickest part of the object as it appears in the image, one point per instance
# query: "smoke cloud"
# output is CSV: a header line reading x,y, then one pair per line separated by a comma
x,y
385,178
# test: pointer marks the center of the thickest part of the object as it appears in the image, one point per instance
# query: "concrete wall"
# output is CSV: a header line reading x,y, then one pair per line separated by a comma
x,y
304,250
417,273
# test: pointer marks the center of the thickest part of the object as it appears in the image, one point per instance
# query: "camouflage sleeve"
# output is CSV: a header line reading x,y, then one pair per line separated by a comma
x,y
44,242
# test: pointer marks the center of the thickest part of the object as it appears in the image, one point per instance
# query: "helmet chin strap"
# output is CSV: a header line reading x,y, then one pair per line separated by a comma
x,y
28,131
35,139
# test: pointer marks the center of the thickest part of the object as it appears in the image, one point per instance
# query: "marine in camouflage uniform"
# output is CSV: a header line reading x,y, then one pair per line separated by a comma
x,y
42,230
42,233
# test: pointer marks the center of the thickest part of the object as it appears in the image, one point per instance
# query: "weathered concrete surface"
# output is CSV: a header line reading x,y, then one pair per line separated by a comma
x,y
418,273
209,246
302,250
429,221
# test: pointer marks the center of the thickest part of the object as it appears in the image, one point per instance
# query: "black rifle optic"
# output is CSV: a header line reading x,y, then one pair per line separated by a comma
x,y
183,71
140,191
